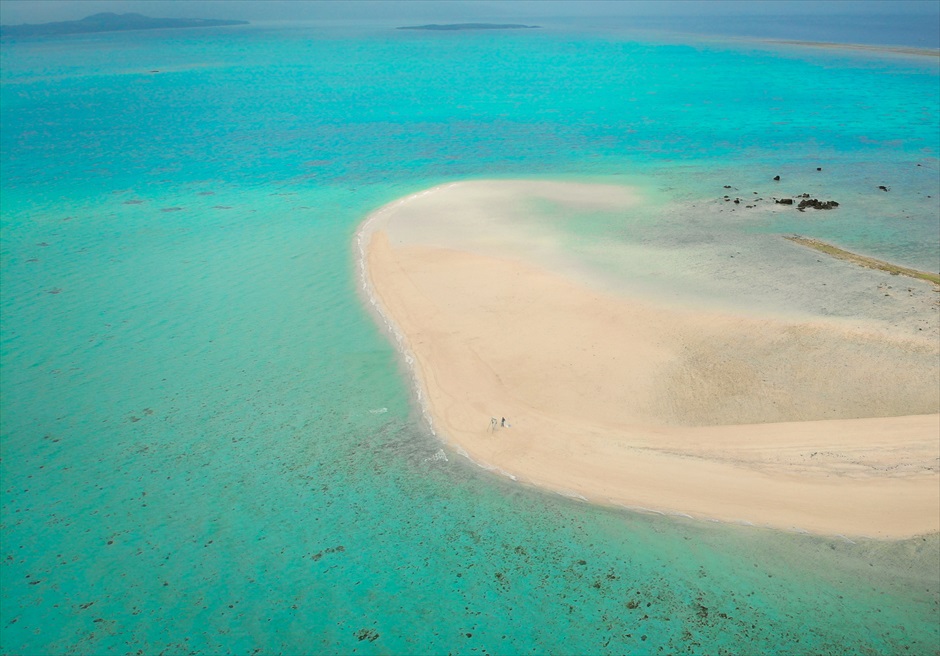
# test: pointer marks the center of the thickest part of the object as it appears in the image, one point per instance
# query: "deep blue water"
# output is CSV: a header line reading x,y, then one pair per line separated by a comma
x,y
910,30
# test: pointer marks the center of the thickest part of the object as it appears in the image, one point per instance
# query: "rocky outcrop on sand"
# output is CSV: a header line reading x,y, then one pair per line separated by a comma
x,y
800,202
816,204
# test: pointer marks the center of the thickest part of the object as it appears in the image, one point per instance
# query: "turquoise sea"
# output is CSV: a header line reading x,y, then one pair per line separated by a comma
x,y
210,447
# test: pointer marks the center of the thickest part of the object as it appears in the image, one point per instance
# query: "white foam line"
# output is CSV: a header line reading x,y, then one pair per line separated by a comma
x,y
570,495
643,509
485,465
503,472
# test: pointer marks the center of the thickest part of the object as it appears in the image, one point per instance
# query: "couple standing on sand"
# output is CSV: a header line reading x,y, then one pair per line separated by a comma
x,y
502,424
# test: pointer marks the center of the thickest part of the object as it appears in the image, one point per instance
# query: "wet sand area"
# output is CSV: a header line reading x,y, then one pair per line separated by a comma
x,y
798,423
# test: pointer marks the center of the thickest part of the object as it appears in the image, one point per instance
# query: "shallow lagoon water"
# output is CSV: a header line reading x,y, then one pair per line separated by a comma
x,y
209,446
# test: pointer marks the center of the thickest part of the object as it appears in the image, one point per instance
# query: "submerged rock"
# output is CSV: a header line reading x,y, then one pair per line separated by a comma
x,y
817,204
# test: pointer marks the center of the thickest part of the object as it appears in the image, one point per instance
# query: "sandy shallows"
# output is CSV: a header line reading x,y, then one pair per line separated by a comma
x,y
796,424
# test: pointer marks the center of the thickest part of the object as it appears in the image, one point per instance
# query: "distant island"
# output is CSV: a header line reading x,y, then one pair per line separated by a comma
x,y
110,22
470,26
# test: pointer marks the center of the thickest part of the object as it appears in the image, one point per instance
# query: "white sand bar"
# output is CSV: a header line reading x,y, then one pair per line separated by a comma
x,y
798,424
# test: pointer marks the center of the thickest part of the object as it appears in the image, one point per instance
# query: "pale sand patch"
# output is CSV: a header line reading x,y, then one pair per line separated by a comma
x,y
886,50
621,401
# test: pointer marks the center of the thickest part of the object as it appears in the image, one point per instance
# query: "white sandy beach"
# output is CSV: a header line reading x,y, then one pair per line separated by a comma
x,y
799,424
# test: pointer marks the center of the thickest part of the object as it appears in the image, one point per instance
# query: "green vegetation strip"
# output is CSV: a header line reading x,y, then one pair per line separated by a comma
x,y
864,261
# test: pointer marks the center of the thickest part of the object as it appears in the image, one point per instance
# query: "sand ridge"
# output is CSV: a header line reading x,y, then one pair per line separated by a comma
x,y
620,401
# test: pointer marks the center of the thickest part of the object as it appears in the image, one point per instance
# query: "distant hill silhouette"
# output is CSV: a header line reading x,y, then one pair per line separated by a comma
x,y
110,22
470,26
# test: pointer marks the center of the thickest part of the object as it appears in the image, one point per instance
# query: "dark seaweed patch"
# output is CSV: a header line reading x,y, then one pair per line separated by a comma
x,y
367,634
